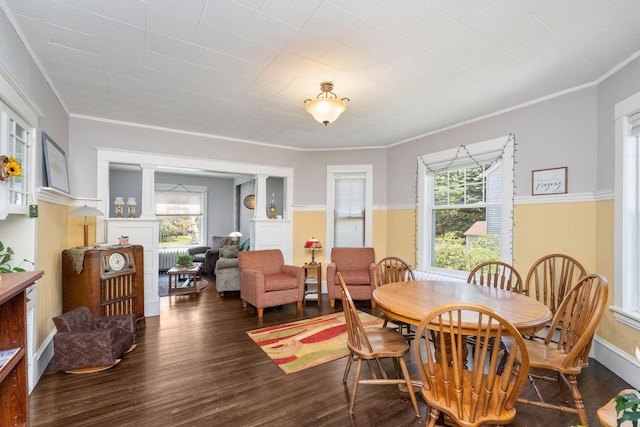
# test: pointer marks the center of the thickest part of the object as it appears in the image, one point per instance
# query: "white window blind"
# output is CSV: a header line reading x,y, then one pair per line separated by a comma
x,y
349,210
179,203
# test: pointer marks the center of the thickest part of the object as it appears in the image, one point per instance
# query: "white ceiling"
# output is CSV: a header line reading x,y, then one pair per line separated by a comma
x,y
242,69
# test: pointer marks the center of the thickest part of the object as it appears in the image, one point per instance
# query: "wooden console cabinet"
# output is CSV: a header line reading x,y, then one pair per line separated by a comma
x,y
14,409
110,283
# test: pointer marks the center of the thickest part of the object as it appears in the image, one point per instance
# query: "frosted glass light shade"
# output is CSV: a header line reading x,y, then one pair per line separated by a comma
x,y
325,110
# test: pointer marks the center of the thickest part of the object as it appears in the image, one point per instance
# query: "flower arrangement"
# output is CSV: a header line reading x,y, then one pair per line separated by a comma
x,y
9,167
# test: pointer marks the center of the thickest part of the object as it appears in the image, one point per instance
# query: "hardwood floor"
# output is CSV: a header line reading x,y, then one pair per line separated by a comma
x,y
196,366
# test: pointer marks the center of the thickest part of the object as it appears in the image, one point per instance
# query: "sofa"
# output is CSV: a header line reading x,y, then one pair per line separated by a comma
x,y
227,272
208,255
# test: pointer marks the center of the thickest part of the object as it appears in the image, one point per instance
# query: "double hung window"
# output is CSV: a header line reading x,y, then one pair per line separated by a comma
x,y
180,211
627,212
465,208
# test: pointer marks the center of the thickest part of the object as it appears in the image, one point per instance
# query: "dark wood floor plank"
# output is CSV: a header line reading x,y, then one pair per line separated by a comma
x,y
196,366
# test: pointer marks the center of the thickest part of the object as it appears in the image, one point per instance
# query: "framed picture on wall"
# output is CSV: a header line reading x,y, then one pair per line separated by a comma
x,y
549,181
55,164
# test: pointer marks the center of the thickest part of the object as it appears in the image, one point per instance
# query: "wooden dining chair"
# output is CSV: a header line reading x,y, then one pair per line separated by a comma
x,y
473,392
567,352
551,277
390,270
498,275
373,344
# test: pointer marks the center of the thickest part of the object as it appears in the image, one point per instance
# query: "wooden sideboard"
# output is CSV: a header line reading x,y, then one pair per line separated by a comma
x,y
14,409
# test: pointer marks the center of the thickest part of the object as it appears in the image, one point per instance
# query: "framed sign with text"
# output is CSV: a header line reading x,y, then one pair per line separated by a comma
x,y
549,181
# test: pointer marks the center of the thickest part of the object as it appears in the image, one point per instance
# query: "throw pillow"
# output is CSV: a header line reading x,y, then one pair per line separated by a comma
x,y
229,251
218,241
245,245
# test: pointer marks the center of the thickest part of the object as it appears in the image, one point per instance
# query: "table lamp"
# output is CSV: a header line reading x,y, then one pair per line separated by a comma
x,y
313,245
85,211
235,237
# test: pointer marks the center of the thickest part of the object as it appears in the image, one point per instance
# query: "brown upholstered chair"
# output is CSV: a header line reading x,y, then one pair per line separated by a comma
x,y
265,280
356,266
373,344
565,349
471,393
551,277
88,343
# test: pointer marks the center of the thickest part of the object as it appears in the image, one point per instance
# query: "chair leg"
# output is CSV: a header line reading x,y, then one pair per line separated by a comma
x,y
332,302
356,379
405,374
373,303
347,368
577,399
260,312
299,305
434,414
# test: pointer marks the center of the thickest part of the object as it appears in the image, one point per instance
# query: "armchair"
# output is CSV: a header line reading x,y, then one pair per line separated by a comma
x,y
208,256
357,266
265,280
227,272
90,344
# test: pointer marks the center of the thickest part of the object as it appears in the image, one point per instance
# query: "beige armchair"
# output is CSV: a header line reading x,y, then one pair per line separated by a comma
x,y
265,281
357,266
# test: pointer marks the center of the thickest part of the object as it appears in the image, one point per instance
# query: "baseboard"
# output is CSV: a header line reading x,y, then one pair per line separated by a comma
x,y
42,358
617,361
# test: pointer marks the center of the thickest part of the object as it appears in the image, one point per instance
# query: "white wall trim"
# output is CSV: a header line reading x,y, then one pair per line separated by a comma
x,y
617,361
43,357
565,198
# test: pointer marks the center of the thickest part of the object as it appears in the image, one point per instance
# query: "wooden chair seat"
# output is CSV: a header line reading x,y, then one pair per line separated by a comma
x,y
543,356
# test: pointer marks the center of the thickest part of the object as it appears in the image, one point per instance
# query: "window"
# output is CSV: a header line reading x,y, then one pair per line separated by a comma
x,y
627,212
349,195
180,211
466,205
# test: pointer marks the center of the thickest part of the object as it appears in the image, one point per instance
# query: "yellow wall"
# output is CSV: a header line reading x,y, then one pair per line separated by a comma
x,y
541,229
52,240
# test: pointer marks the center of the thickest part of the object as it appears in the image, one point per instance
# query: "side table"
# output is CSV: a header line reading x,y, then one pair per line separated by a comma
x,y
313,276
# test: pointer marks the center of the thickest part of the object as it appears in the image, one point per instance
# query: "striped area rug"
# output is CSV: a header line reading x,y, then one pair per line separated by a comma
x,y
307,343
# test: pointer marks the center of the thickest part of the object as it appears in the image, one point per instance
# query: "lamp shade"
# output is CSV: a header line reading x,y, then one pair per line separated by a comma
x,y
235,234
85,211
325,110
313,244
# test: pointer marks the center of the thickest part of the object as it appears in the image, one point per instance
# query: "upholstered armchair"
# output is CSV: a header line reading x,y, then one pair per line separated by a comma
x,y
227,271
208,255
265,280
357,266
83,341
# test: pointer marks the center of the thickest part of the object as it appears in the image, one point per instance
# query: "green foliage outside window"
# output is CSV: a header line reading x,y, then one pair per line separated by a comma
x,y
452,252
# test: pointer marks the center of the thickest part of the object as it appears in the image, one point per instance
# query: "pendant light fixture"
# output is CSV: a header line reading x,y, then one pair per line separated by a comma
x,y
326,108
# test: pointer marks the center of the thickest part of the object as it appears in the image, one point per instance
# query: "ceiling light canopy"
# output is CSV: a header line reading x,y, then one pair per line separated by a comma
x,y
326,108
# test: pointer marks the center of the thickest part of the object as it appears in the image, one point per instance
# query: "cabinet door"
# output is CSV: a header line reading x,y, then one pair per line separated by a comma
x,y
16,140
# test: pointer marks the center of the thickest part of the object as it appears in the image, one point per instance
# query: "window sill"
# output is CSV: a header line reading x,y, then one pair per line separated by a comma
x,y
629,318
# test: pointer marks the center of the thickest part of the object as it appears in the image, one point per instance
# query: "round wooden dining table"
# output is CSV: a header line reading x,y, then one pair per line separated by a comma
x,y
410,301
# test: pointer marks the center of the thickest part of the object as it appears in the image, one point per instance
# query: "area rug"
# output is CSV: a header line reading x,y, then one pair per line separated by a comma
x,y
307,343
